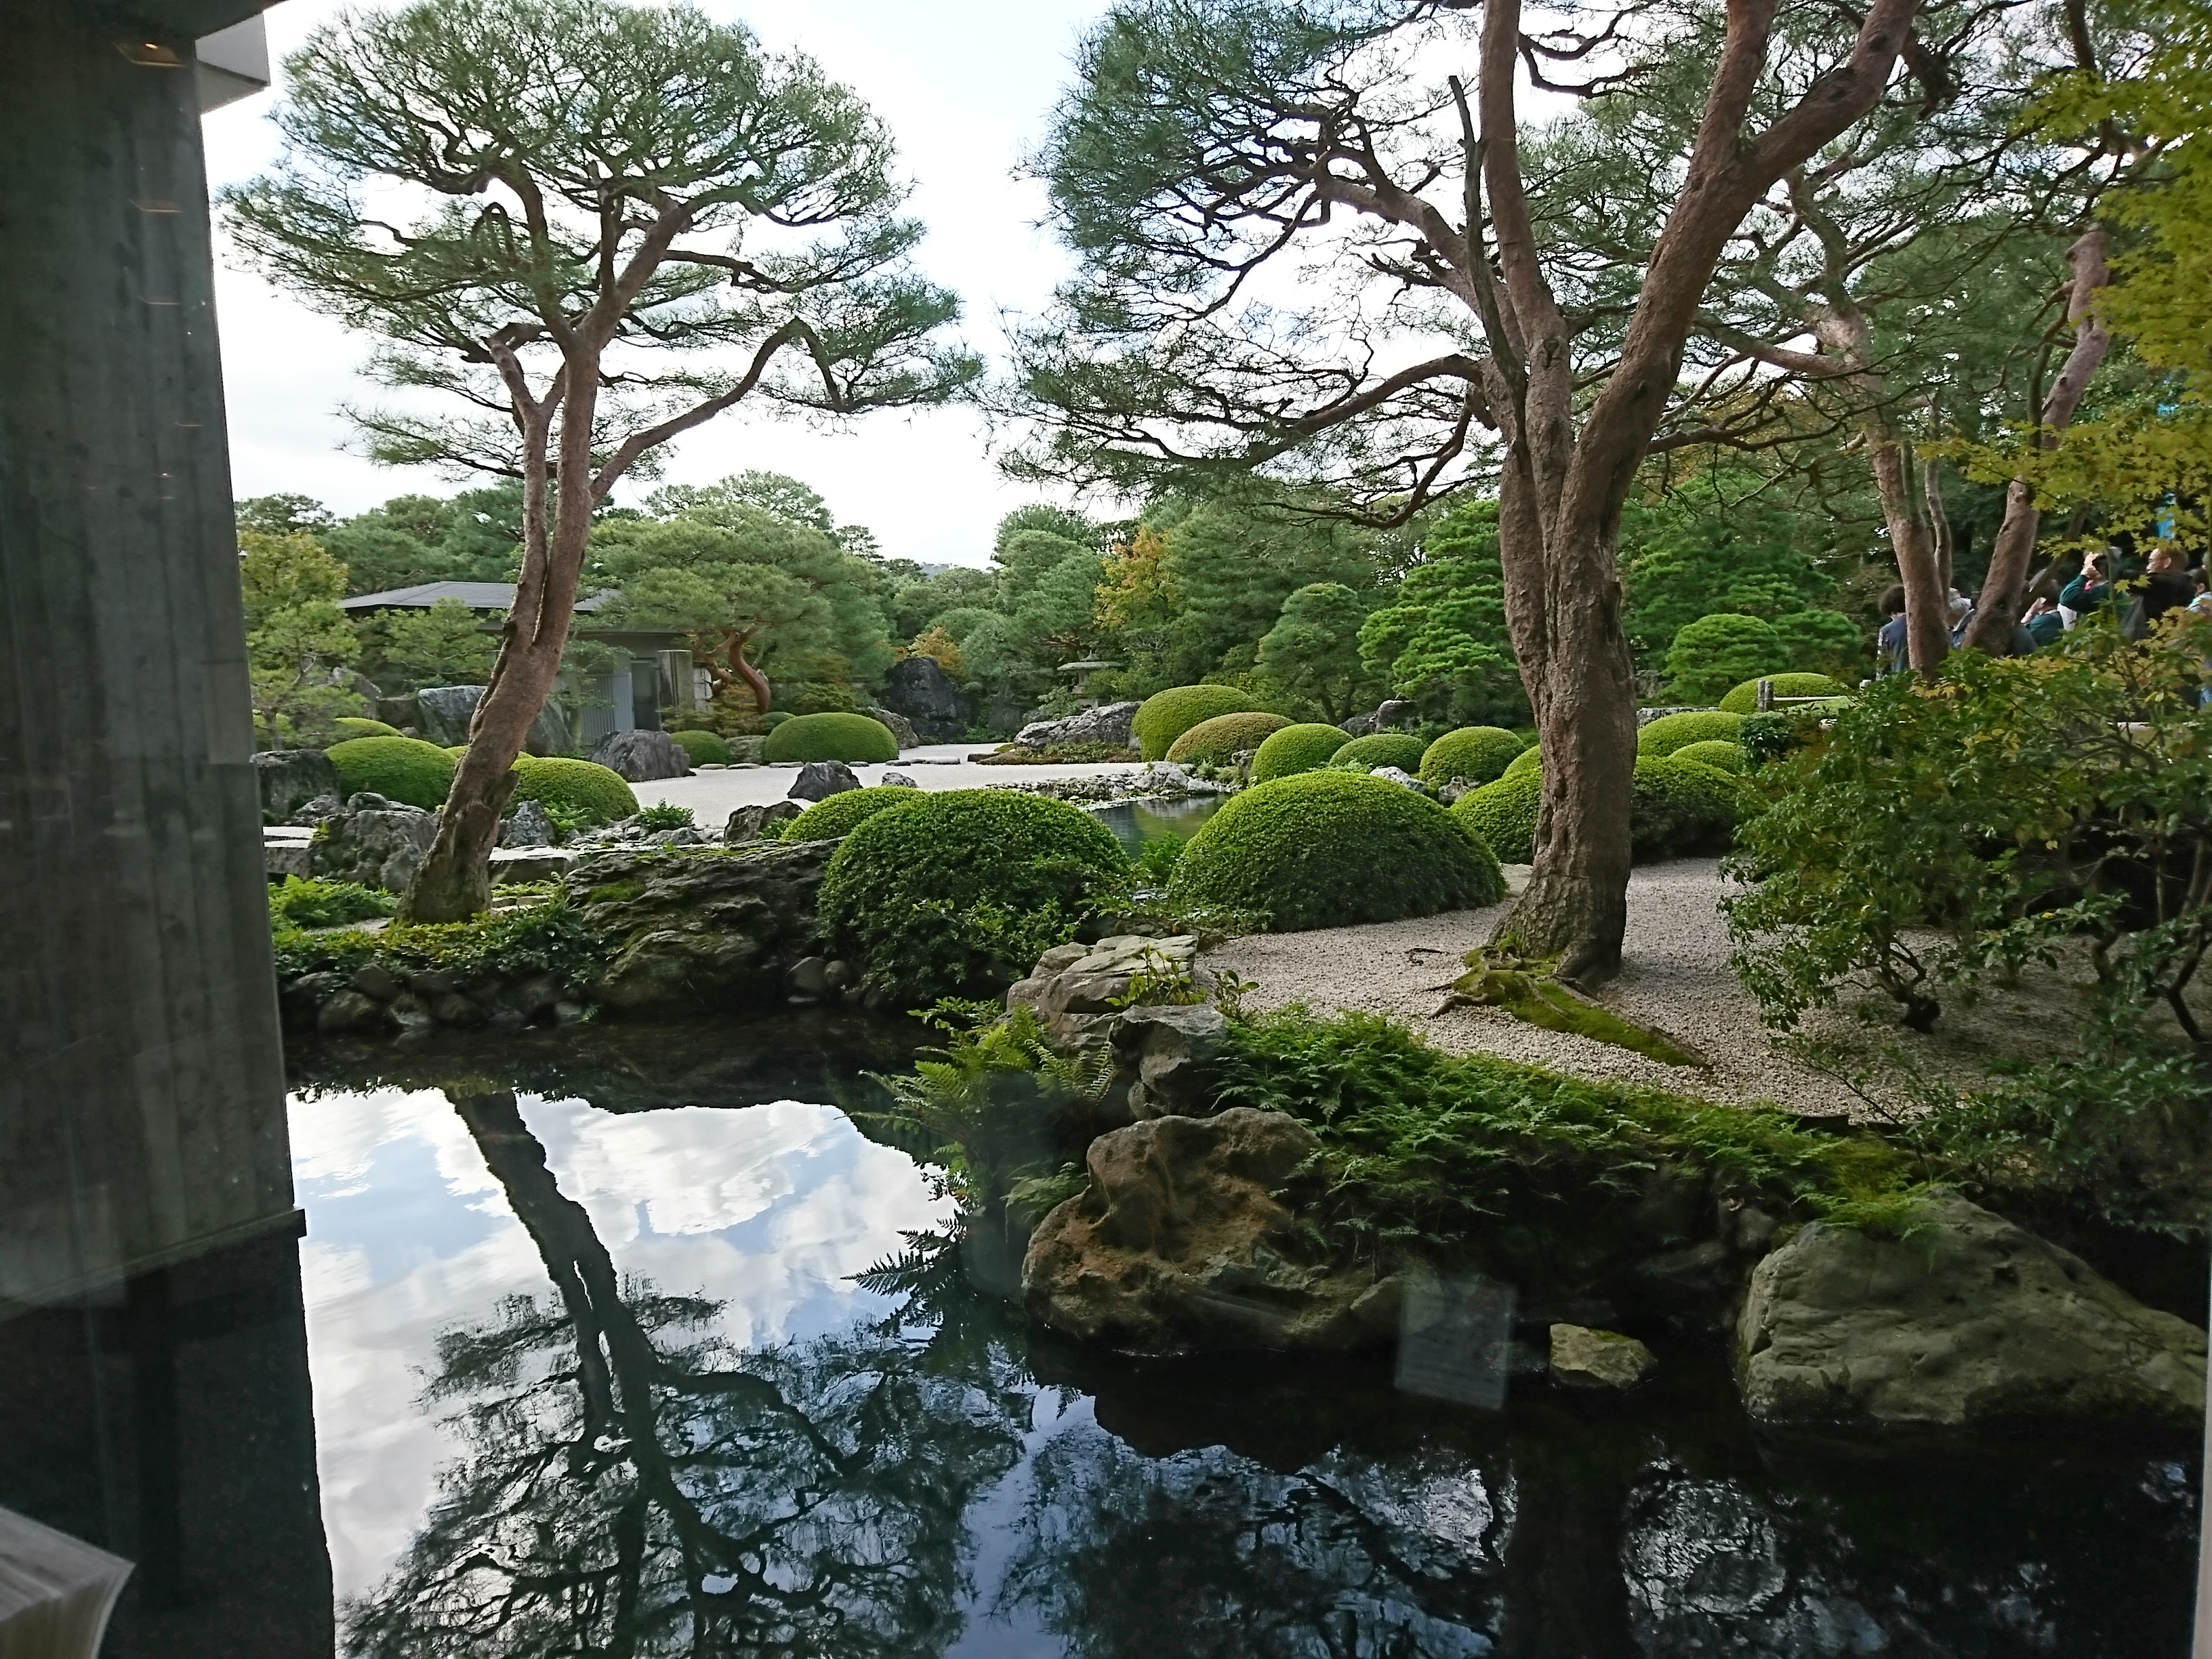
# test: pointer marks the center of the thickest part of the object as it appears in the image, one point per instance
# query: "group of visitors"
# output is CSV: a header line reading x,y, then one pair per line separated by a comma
x,y
2107,580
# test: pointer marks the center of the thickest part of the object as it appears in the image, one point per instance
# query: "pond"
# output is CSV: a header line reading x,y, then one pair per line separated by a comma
x,y
1135,823
599,1366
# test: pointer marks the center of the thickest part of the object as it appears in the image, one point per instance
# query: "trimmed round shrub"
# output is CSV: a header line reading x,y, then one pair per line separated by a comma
x,y
1744,699
1504,813
400,768
579,785
1681,809
705,748
1479,753
830,737
1221,739
1327,849
961,892
835,815
457,749
1717,753
1400,749
1296,749
1714,653
353,726
1530,759
1672,731
1166,715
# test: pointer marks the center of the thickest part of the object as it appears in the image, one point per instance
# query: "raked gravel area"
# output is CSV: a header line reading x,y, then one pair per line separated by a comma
x,y
1676,977
713,796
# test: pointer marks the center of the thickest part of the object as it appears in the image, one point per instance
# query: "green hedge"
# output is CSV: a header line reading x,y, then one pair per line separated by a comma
x,y
353,726
1530,759
1296,749
1672,731
400,768
705,748
961,892
1504,813
580,785
1221,739
1716,752
1166,715
1679,808
1327,849
830,737
1744,699
836,816
1400,749
1479,753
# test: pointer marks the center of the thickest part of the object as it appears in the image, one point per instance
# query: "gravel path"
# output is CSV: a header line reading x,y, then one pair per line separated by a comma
x,y
713,796
1676,978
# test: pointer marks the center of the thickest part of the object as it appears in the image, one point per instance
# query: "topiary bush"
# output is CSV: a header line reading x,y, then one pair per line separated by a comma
x,y
1479,753
705,748
961,892
400,768
1221,739
830,737
1716,752
597,791
1504,812
1400,749
1671,732
1744,699
1327,849
836,817
1166,715
1296,749
1714,653
1679,808
353,726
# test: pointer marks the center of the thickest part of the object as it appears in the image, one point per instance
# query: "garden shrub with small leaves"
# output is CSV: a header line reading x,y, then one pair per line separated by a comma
x,y
849,738
1294,748
1166,715
1671,732
1400,749
1480,754
1218,741
705,748
398,768
1744,699
586,792
836,816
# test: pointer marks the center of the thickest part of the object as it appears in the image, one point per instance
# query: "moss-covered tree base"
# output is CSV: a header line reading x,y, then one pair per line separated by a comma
x,y
1528,992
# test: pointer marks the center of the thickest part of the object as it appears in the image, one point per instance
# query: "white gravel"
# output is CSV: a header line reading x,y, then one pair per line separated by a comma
x,y
713,796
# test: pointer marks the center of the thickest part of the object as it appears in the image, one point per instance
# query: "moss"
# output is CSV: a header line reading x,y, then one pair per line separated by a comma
x,y
831,737
512,944
1295,749
1480,754
615,892
1166,715
353,726
836,817
578,786
1400,749
1221,739
1327,849
400,768
1744,699
1671,732
705,748
1536,999
1716,752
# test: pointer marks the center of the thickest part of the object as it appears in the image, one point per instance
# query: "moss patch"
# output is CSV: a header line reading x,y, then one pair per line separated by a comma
x,y
1533,997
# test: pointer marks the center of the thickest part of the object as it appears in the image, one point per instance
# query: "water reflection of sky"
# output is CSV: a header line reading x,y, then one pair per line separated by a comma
x,y
768,1210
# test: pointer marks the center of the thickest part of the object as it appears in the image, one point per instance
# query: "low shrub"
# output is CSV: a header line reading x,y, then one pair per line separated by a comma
x,y
666,815
1744,699
1480,754
1166,715
1716,752
960,893
1327,849
311,902
586,792
353,726
1678,810
705,748
836,816
510,944
400,768
1294,748
1714,653
1530,759
1221,739
1400,749
1671,732
1504,813
830,737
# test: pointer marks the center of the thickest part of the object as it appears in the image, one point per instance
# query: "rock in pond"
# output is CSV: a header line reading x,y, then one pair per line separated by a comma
x,y
1584,1358
290,778
1969,1322
1179,1243
819,780
1073,987
760,823
643,756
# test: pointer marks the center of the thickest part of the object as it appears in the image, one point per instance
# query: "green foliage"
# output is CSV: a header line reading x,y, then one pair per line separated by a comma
x,y
834,817
1166,715
1714,653
1312,652
1400,749
511,943
353,726
1504,813
298,902
1327,849
666,816
1676,809
1716,752
444,643
297,640
705,748
831,737
400,768
1218,741
473,536
1290,749
1762,736
1530,759
1479,753
1442,642
1671,732
1157,858
950,896
1744,699
284,572
575,793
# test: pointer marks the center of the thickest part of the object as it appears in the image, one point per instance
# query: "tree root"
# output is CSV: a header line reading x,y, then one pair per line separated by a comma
x,y
1536,993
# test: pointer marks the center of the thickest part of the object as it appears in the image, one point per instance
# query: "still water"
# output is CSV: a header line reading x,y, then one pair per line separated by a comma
x,y
593,1373
1134,823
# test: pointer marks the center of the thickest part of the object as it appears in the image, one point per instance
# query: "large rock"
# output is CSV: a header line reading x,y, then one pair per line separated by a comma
x,y
643,756
1172,1056
1581,1358
919,690
443,714
700,928
1969,1321
374,841
290,778
1180,1242
1107,723
762,822
899,728
819,780
527,826
1075,989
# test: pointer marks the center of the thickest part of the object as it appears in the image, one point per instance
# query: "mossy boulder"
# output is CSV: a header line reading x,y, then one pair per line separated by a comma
x,y
1218,741
848,738
1717,753
1480,754
705,748
1294,748
398,768
1744,699
837,816
1327,849
1400,749
1671,732
579,786
1166,715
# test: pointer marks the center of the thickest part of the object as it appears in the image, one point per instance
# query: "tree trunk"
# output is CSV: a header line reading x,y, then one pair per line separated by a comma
x,y
1927,601
757,681
2005,585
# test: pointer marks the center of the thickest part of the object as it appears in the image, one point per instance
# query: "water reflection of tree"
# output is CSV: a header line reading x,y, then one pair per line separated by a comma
x,y
631,1485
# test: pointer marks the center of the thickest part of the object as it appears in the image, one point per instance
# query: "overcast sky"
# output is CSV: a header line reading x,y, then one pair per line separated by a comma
x,y
965,85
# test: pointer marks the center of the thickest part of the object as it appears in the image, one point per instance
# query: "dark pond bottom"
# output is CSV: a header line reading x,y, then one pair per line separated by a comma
x,y
593,1373
1135,825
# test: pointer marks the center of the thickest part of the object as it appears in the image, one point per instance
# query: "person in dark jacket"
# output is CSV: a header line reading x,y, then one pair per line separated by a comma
x,y
1891,654
2094,586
